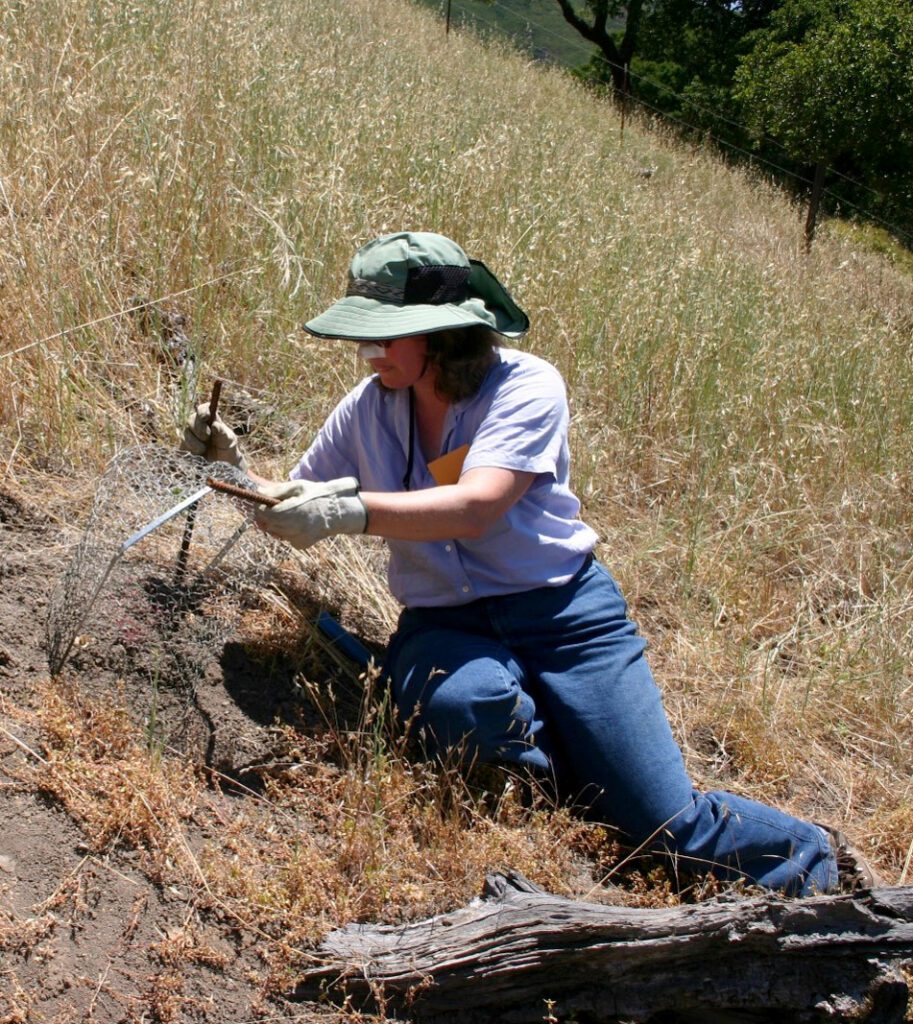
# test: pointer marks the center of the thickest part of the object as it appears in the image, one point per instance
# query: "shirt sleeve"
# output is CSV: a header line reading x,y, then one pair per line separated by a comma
x,y
525,427
332,453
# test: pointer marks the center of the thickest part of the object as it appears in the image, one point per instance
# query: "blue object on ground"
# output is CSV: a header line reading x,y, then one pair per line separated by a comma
x,y
343,640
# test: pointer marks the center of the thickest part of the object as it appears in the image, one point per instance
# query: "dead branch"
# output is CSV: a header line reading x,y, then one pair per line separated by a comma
x,y
520,954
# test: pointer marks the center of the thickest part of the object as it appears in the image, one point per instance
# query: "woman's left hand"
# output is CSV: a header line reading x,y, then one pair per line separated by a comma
x,y
315,511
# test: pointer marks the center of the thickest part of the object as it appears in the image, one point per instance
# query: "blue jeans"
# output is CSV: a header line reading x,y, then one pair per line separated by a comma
x,y
556,679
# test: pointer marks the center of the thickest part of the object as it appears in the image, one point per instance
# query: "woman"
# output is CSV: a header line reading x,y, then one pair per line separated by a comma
x,y
513,644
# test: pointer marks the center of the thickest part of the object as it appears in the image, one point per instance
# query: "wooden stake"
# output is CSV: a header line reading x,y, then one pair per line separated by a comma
x,y
814,202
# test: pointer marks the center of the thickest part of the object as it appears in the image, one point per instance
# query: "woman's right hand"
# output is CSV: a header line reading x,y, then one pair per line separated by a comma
x,y
214,441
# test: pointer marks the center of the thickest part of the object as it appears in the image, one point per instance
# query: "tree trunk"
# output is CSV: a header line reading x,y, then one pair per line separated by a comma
x,y
523,955
617,57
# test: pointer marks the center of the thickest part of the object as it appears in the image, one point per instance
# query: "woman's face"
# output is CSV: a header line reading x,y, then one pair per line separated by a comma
x,y
403,362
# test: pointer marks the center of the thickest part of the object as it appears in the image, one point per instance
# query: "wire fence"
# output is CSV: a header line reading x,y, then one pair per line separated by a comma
x,y
753,157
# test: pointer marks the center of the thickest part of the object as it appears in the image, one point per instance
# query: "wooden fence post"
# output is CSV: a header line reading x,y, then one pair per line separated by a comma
x,y
814,202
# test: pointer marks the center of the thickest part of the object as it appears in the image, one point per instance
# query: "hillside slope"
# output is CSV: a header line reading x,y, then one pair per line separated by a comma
x,y
181,184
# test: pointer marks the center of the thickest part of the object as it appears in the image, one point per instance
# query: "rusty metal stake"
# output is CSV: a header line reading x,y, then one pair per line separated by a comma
x,y
192,513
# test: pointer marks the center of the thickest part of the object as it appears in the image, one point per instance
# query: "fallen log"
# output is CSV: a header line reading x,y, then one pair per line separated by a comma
x,y
520,955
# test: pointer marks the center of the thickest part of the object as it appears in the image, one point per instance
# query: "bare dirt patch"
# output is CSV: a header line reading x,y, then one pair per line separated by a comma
x,y
89,935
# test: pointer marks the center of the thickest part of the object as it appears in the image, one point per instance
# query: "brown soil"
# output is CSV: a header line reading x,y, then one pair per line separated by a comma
x,y
87,936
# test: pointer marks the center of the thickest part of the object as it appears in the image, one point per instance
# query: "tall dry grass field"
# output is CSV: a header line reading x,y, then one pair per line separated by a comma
x,y
743,414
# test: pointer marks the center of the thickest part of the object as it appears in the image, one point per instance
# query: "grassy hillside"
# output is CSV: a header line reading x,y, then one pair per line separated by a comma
x,y
535,27
743,414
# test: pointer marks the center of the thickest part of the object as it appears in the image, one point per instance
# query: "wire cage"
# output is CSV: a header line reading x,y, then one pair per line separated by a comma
x,y
152,598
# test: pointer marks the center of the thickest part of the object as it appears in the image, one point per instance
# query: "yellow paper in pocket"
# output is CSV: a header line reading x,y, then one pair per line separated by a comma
x,y
446,469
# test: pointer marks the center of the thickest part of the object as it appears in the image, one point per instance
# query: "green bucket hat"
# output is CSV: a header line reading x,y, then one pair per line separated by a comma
x,y
417,282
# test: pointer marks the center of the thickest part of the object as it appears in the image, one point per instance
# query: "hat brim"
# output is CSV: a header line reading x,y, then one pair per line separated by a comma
x,y
357,318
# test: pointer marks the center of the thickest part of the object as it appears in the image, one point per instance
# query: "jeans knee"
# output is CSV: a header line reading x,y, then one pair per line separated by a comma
x,y
444,716
478,713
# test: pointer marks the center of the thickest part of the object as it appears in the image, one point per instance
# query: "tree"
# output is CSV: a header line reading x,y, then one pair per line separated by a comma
x,y
683,58
617,52
832,82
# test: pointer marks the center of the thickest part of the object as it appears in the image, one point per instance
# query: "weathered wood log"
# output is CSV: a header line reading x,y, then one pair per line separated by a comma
x,y
520,954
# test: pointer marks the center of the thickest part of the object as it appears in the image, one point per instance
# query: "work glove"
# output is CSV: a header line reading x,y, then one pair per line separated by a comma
x,y
215,442
316,511
285,489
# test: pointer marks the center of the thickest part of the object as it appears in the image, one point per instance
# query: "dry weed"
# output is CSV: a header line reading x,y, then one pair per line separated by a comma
x,y
347,828
121,790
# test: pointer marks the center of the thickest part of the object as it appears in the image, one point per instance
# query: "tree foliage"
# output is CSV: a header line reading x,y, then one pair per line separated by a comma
x,y
832,82
830,79
616,47
685,54
797,82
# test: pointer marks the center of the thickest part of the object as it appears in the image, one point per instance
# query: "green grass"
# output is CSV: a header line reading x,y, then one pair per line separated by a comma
x,y
874,239
535,27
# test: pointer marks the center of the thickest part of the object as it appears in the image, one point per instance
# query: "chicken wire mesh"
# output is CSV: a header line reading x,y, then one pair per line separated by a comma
x,y
154,610
205,548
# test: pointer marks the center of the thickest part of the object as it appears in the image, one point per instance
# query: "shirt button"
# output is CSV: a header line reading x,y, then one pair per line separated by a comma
x,y
465,589
448,547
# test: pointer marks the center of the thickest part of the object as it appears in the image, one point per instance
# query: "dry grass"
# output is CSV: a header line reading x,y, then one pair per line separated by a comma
x,y
742,430
346,828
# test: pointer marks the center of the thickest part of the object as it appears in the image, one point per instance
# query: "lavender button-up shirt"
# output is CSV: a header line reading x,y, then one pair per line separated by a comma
x,y
517,420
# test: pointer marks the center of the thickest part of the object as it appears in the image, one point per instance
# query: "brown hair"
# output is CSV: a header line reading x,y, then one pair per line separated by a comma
x,y
461,357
